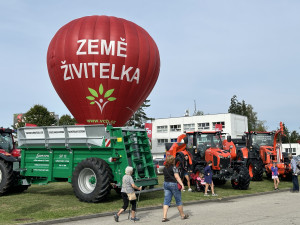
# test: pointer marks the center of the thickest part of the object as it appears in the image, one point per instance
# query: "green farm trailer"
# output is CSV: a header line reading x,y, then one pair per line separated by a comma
x,y
92,158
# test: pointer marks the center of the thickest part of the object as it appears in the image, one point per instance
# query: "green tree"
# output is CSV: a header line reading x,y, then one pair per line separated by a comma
x,y
290,137
294,137
241,108
139,118
67,120
40,116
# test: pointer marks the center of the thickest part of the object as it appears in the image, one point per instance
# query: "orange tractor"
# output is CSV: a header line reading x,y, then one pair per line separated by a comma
x,y
204,146
259,150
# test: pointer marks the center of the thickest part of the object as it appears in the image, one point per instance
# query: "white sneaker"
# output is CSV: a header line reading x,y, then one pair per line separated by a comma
x,y
190,189
183,190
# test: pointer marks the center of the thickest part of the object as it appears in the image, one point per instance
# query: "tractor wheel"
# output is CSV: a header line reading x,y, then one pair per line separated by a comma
x,y
269,175
242,179
6,177
91,180
287,177
255,168
219,182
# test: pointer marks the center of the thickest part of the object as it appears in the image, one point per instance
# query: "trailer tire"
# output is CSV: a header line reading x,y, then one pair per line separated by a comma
x,y
255,168
6,177
242,179
91,180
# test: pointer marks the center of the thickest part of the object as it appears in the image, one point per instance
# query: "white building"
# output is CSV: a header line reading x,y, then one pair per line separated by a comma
x,y
168,129
293,148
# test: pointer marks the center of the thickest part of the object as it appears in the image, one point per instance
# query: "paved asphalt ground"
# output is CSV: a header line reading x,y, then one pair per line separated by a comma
x,y
281,207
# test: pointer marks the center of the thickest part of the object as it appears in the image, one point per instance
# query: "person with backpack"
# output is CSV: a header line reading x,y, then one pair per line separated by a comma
x,y
295,171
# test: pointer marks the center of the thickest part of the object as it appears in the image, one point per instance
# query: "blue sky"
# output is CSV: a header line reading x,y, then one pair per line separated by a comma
x,y
210,51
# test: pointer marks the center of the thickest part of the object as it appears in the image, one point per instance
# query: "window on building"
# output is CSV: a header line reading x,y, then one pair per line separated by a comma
x,y
174,128
290,150
173,139
203,126
188,127
161,142
162,129
222,122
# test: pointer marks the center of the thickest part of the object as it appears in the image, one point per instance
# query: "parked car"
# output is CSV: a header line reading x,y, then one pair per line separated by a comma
x,y
159,164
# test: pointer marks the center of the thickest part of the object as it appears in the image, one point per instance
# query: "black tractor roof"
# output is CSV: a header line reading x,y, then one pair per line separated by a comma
x,y
6,130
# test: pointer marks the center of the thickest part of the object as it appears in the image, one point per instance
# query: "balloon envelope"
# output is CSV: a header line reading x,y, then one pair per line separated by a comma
x,y
103,68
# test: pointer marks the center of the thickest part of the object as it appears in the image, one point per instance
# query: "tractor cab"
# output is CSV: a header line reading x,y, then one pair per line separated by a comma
x,y
262,143
7,145
207,146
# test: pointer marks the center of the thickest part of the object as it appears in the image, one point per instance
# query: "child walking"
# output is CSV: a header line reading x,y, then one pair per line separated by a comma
x,y
274,169
208,179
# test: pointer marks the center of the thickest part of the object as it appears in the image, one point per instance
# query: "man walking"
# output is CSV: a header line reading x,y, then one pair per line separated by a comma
x,y
294,174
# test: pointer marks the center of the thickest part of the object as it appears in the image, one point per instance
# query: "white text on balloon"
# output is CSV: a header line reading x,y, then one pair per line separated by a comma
x,y
93,47
106,71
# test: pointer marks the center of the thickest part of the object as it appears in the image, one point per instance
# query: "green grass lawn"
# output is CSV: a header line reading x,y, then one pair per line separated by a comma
x,y
56,200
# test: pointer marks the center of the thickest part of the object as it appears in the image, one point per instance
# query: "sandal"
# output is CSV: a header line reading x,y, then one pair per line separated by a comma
x,y
185,217
165,220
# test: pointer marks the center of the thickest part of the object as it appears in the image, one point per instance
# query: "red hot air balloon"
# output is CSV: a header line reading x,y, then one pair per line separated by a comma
x,y
103,68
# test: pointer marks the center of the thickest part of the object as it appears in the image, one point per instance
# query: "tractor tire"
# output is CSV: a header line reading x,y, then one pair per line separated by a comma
x,y
91,180
287,177
268,175
255,167
6,177
16,187
219,182
242,179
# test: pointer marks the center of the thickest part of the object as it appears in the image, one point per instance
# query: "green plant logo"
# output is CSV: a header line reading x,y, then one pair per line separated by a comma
x,y
103,100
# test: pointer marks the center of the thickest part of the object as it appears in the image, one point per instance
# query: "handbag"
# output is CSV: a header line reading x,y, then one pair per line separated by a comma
x,y
131,196
179,186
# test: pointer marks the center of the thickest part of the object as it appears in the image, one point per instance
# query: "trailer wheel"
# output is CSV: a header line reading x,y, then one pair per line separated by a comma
x,y
6,177
91,180
242,179
255,167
